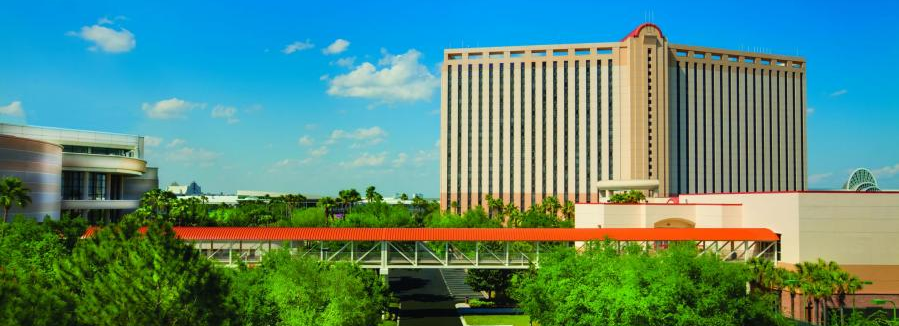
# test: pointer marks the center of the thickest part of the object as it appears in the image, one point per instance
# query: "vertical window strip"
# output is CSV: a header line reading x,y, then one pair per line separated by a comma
x,y
521,128
480,131
599,119
449,131
677,127
502,103
695,185
468,144
779,123
490,129
459,135
793,129
533,131
714,188
511,123
611,123
746,125
802,110
589,136
577,133
770,177
705,131
543,132
721,119
555,129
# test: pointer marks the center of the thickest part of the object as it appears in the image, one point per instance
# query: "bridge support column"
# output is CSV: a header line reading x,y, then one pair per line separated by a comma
x,y
383,271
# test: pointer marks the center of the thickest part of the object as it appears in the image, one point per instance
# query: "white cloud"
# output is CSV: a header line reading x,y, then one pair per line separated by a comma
x,y
106,39
886,171
324,77
370,136
400,78
169,109
310,126
319,152
287,164
338,46
367,159
297,46
818,178
306,141
176,142
839,93
192,155
150,141
345,62
13,109
422,157
400,159
225,112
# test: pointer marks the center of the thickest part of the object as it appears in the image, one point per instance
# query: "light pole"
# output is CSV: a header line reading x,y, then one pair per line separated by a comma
x,y
881,302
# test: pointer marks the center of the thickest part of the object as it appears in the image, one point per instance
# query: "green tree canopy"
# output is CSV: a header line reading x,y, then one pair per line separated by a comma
x,y
13,193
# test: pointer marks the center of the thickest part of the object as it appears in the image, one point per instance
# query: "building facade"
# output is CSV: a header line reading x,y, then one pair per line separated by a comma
x,y
528,122
93,174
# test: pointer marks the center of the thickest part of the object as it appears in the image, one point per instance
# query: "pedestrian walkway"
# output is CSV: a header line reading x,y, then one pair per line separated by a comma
x,y
455,283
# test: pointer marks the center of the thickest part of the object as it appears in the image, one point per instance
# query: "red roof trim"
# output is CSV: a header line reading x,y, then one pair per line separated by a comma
x,y
636,31
662,204
436,234
796,192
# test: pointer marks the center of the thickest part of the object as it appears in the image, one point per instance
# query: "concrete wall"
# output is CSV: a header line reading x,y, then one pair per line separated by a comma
x,y
39,165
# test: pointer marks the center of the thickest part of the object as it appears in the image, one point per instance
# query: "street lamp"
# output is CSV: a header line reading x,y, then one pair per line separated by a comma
x,y
881,302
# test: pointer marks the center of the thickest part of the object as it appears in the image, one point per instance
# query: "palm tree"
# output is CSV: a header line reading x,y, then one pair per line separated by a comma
x,y
509,211
568,210
292,201
551,206
326,203
157,200
404,197
494,205
370,194
13,193
349,197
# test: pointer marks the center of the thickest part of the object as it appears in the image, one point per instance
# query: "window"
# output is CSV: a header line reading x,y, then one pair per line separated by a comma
x,y
797,65
72,185
780,63
560,53
454,56
604,51
540,53
516,54
475,56
496,55
749,60
97,186
765,62
681,53
732,59
716,57
582,52
699,55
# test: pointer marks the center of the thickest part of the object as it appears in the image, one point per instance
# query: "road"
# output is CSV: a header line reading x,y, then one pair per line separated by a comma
x,y
424,298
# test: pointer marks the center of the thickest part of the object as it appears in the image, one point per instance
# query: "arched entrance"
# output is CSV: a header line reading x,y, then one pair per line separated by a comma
x,y
674,223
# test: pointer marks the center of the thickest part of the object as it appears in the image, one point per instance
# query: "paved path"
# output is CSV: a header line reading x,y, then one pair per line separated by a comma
x,y
424,298
458,289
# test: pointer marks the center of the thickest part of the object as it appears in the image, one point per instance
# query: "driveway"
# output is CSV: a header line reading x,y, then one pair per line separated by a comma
x,y
424,298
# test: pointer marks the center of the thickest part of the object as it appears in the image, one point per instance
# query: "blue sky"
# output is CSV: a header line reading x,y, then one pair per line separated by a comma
x,y
314,98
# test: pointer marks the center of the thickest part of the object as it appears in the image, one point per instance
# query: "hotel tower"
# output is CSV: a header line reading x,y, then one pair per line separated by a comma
x,y
576,121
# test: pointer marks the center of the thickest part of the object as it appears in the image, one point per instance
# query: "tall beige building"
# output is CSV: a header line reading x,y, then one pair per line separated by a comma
x,y
527,122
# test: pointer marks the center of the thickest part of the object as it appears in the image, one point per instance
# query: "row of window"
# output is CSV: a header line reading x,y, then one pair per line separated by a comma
x,y
529,53
97,150
743,59
761,117
73,186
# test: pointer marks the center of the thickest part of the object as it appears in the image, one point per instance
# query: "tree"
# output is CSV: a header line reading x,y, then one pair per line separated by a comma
x,y
370,194
493,281
348,197
327,203
568,211
495,206
157,201
629,197
404,197
290,290
551,206
13,193
122,276
632,286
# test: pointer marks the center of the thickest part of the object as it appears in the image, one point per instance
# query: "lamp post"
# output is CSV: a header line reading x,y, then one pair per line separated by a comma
x,y
881,302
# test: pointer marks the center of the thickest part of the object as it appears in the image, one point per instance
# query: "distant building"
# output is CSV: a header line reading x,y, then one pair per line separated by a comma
x,y
861,180
93,174
193,189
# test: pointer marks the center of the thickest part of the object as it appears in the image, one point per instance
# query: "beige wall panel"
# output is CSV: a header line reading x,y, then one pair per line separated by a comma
x,y
540,134
692,128
476,137
734,131
550,139
726,125
582,140
605,123
718,136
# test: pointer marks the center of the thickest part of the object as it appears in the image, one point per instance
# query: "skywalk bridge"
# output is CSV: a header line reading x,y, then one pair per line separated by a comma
x,y
386,248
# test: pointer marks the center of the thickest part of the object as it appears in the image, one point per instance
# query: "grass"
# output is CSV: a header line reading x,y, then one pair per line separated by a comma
x,y
388,323
515,320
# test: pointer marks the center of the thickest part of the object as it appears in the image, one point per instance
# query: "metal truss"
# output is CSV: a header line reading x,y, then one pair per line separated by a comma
x,y
385,255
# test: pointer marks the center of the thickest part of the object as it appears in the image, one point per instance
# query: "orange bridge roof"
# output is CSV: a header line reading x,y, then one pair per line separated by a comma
x,y
463,234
